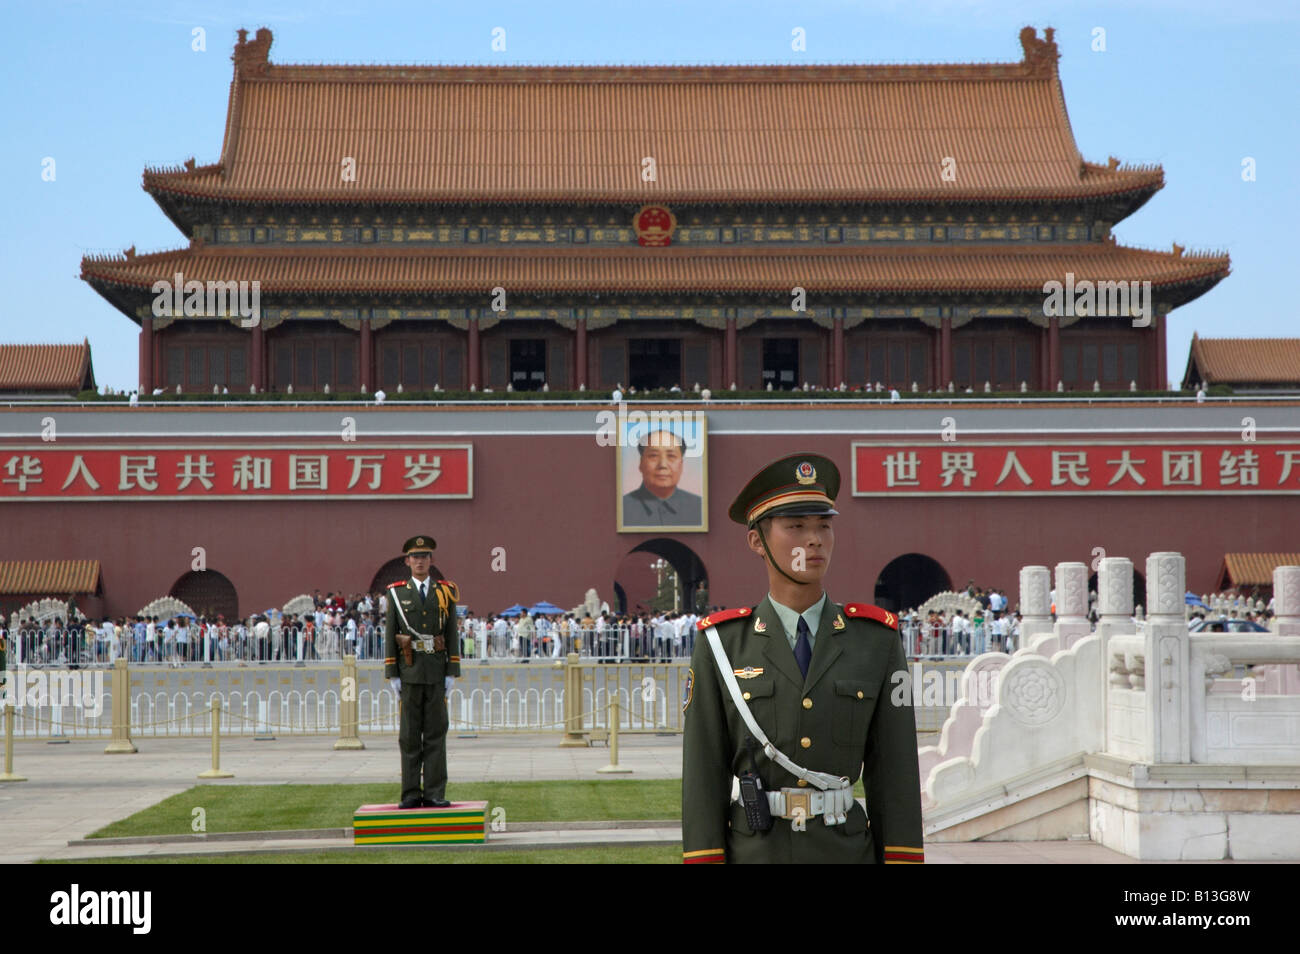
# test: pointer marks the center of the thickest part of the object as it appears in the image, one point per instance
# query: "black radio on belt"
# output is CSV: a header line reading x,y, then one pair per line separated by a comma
x,y
758,813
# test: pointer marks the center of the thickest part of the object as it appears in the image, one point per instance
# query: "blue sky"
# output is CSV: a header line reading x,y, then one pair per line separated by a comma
x,y
106,89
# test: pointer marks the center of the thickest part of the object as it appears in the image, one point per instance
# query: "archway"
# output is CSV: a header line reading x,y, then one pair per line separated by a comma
x,y
1139,588
396,570
208,593
909,580
642,583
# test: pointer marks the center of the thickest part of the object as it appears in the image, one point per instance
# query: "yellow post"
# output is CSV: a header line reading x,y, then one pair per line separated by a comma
x,y
574,736
8,774
121,743
215,771
349,737
611,723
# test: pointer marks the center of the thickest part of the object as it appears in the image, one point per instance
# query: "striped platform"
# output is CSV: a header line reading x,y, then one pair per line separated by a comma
x,y
463,823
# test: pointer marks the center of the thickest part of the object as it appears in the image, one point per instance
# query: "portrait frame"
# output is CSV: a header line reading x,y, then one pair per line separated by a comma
x,y
691,427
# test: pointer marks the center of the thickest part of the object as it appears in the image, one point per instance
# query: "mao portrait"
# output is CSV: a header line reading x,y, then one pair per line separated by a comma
x,y
662,476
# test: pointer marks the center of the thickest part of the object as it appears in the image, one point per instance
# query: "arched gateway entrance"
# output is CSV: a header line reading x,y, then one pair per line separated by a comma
x,y
660,574
909,580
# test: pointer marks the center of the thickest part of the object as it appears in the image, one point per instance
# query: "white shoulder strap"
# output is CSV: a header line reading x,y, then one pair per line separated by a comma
x,y
821,779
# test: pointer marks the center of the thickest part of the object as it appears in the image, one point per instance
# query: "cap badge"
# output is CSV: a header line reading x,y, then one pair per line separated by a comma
x,y
805,473
419,541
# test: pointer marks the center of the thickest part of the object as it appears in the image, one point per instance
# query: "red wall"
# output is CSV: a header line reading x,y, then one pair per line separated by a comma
x,y
549,501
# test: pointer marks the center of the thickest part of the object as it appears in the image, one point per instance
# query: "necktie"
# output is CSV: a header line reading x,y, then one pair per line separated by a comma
x,y
803,647
422,585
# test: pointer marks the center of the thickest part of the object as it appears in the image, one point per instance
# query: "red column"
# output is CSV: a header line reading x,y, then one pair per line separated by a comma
x,y
258,347
580,353
945,353
1053,351
837,353
474,381
729,355
1044,361
1162,358
367,359
146,356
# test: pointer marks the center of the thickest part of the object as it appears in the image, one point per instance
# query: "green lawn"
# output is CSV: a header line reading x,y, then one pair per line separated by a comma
x,y
230,808
596,855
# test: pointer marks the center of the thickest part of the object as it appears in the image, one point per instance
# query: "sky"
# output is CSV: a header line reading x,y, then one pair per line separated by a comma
x,y
106,89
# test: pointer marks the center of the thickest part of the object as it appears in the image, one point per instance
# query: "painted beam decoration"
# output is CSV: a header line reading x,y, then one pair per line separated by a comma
x,y
1066,468
236,472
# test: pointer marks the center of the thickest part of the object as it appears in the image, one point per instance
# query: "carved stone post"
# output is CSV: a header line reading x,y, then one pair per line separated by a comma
x,y
1115,612
1035,603
1286,607
1167,645
1071,604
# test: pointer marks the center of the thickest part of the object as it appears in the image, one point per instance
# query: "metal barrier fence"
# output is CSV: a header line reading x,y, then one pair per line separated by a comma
x,y
300,644
922,640
315,698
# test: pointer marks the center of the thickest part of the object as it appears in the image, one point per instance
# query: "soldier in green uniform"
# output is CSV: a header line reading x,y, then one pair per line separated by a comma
x,y
820,681
422,658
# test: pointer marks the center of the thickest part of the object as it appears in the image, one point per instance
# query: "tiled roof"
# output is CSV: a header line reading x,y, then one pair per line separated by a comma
x,y
1255,569
826,133
45,367
675,269
48,577
1247,360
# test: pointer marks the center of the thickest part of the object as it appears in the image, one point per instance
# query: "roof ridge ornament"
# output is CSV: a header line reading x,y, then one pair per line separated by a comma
x,y
252,58
1040,55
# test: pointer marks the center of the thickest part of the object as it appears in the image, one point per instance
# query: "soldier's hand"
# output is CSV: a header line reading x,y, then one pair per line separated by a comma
x,y
397,686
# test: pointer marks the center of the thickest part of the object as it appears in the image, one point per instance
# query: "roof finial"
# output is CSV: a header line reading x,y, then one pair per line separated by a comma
x,y
1040,55
1178,250
251,57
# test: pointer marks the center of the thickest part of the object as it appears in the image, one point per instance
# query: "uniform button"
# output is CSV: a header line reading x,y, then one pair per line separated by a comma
x,y
807,703
746,697
806,742
803,783
859,693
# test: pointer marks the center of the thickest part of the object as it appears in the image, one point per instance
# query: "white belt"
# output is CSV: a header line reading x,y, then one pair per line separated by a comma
x,y
423,645
792,803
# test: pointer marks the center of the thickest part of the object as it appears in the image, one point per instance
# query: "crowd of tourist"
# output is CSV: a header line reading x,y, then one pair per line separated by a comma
x,y
344,624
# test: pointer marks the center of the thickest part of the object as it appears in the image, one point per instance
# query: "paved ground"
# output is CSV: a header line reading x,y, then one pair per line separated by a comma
x,y
74,789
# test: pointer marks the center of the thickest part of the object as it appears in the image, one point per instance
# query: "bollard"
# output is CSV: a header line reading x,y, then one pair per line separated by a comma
x,y
574,736
121,743
215,771
611,722
8,774
349,736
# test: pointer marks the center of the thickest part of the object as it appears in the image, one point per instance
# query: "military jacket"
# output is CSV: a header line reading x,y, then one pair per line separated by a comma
x,y
436,615
842,719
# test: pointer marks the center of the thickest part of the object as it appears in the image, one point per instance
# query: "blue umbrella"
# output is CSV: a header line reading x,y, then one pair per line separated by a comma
x,y
1191,599
512,611
546,608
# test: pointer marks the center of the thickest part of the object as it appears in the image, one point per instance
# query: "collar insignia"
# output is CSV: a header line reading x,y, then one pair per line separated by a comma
x,y
839,622
759,625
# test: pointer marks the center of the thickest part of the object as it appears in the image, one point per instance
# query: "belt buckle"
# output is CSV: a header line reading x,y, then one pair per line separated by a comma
x,y
794,801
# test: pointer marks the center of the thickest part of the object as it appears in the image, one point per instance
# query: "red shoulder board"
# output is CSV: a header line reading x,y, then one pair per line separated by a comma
x,y
452,589
867,611
398,583
713,619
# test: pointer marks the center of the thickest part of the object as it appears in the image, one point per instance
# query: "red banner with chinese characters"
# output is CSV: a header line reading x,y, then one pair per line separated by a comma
x,y
236,472
977,468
